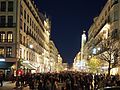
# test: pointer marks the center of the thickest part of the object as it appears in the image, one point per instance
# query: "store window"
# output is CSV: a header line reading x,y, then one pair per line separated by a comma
x,y
2,51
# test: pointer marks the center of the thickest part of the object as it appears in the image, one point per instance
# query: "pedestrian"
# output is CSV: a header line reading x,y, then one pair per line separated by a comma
x,y
48,85
1,78
68,84
40,85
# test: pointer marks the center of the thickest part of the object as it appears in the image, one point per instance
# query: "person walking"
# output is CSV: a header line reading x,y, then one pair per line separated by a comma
x,y
1,78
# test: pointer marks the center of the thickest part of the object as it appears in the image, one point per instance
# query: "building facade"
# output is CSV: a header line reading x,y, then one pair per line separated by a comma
x,y
53,56
77,60
24,37
105,27
60,64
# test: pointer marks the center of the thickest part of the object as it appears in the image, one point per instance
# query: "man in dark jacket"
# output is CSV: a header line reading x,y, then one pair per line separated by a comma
x,y
1,79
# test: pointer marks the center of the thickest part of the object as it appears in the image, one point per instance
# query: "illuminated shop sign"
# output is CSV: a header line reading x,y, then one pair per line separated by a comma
x,y
1,60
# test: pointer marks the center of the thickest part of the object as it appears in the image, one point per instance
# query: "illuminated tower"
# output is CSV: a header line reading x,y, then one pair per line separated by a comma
x,y
83,41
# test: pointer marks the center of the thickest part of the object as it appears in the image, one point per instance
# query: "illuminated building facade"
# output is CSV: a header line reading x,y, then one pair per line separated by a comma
x,y
60,64
53,56
77,60
105,26
24,37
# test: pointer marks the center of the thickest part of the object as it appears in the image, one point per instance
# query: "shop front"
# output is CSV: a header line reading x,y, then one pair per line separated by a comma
x,y
7,69
27,67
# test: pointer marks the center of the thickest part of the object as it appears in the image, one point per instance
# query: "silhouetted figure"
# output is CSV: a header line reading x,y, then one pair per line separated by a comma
x,y
1,78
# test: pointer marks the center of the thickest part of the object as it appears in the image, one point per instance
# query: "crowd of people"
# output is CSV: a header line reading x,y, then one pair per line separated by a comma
x,y
67,81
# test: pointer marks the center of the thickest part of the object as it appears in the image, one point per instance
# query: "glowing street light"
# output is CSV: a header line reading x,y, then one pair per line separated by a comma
x,y
31,46
98,48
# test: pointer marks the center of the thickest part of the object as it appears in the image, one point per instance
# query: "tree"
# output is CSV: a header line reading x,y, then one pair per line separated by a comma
x,y
109,53
94,64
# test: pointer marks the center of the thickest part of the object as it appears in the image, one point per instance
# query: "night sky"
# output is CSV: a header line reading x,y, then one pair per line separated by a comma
x,y
69,18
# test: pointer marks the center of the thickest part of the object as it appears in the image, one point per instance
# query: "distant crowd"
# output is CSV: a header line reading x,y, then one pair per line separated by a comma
x,y
66,81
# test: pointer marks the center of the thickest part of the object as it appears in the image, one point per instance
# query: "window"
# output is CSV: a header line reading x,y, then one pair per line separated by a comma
x,y
24,40
9,36
21,22
10,5
116,15
24,27
20,38
3,6
28,18
30,31
2,21
20,52
24,14
27,55
21,9
10,21
2,36
24,54
2,51
32,24
9,52
30,21
27,29
114,34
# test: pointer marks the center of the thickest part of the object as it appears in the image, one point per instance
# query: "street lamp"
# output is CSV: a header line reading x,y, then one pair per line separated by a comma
x,y
31,46
98,48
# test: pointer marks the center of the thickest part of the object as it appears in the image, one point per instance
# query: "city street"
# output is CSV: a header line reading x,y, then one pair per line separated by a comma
x,y
59,45
11,86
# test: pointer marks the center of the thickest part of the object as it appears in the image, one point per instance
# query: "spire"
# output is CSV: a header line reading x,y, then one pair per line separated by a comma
x,y
84,32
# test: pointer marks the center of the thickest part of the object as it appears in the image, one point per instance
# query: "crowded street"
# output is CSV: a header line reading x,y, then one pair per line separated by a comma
x,y
61,81
59,45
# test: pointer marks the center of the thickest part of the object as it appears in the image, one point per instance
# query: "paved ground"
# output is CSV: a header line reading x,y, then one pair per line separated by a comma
x,y
11,86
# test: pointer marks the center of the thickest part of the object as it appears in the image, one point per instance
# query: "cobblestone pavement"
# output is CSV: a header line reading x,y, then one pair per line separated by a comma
x,y
11,86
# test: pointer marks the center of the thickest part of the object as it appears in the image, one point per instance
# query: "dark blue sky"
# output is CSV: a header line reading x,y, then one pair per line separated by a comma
x,y
69,18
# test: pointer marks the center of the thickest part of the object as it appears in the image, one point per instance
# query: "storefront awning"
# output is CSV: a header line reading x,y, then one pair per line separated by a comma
x,y
29,66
